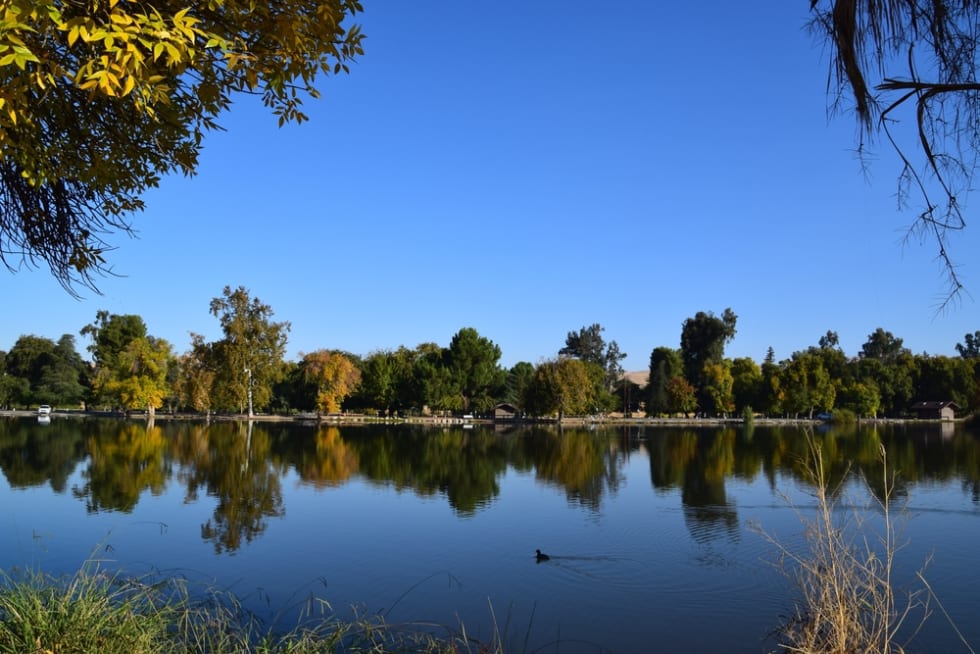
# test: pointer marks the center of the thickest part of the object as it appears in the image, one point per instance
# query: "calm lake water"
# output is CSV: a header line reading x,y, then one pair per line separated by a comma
x,y
654,533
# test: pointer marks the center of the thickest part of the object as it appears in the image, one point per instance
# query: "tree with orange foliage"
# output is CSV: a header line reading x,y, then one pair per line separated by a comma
x,y
334,375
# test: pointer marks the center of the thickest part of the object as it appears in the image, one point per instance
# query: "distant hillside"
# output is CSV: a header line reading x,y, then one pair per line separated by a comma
x,y
638,377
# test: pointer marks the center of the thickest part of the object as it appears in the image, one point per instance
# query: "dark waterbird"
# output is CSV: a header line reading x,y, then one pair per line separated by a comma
x,y
541,556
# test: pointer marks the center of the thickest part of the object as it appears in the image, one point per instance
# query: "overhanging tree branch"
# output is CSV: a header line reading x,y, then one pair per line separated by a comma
x,y
871,39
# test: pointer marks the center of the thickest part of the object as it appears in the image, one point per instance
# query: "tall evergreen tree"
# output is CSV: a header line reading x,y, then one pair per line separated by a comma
x,y
665,364
703,340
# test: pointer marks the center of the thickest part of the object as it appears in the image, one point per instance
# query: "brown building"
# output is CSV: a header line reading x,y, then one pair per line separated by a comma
x,y
504,411
935,410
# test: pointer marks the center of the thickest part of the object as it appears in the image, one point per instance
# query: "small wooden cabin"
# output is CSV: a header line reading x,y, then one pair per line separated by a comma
x,y
504,412
935,410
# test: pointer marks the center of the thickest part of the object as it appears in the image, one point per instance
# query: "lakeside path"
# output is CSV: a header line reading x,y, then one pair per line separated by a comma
x,y
612,420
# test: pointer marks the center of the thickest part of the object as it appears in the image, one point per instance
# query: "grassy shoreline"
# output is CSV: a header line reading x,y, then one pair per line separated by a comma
x,y
100,612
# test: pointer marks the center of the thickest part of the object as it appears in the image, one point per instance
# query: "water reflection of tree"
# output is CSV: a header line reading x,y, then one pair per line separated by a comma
x,y
585,464
463,465
915,453
244,472
330,462
31,456
122,464
966,447
232,463
697,463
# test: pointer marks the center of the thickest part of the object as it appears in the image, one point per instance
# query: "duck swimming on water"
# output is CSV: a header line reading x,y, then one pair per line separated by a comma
x,y
541,556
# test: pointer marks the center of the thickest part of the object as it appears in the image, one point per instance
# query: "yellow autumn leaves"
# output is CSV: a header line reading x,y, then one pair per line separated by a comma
x,y
100,99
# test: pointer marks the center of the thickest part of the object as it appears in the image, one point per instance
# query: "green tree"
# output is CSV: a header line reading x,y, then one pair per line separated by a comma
x,y
291,390
38,370
895,381
747,384
248,360
603,398
772,393
388,381
703,340
829,341
6,382
945,378
682,395
139,379
103,99
66,380
886,362
472,361
970,347
861,397
882,345
519,379
665,364
111,334
378,381
25,362
587,344
432,383
917,60
195,375
12,387
560,387
833,358
718,383
807,385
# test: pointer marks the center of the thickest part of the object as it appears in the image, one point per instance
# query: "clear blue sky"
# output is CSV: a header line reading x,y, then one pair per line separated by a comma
x,y
528,168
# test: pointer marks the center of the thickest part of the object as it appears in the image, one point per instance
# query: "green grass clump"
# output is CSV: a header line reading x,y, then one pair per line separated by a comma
x,y
90,612
94,611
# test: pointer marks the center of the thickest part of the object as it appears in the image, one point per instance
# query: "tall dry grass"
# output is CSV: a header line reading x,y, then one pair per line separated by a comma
x,y
847,599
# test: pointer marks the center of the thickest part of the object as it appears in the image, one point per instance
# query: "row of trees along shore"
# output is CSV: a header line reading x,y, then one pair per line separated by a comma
x,y
245,371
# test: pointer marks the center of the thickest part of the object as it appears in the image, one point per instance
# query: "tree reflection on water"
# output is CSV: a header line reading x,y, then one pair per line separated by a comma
x,y
242,465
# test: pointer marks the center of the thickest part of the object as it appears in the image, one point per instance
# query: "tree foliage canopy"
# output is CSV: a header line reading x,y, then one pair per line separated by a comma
x,y
884,345
562,387
916,60
140,377
665,364
473,363
703,340
588,345
970,347
250,356
334,375
131,366
37,369
101,98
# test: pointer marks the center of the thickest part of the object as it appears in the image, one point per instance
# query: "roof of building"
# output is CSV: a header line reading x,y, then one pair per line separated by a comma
x,y
935,404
